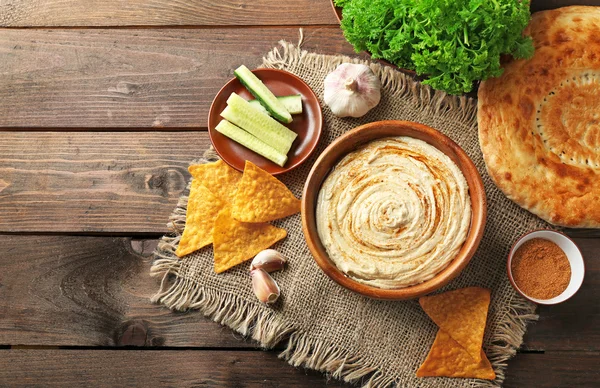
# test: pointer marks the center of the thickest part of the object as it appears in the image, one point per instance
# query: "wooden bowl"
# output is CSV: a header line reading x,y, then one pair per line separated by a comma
x,y
349,142
307,125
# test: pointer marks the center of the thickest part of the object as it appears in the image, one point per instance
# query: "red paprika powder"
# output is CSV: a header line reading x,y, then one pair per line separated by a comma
x,y
541,269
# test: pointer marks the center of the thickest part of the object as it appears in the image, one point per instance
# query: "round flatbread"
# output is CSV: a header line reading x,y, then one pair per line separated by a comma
x,y
539,123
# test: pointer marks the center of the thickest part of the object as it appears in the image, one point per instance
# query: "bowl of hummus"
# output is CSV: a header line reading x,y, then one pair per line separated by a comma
x,y
393,210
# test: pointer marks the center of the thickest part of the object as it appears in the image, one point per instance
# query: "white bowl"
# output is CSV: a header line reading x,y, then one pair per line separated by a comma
x,y
573,254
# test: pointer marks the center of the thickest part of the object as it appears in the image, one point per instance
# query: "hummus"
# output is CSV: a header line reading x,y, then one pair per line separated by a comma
x,y
394,213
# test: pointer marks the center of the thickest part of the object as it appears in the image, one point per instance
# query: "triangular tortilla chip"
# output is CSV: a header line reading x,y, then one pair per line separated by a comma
x,y
202,210
448,359
218,177
462,314
236,242
261,197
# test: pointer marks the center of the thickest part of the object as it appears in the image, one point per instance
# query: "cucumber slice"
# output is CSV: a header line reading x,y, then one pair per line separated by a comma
x,y
292,103
263,94
249,118
238,135
244,121
256,104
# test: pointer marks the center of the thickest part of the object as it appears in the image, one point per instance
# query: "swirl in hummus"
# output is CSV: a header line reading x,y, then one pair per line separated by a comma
x,y
394,213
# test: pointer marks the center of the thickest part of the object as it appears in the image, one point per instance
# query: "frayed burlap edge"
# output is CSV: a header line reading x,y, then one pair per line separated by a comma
x,y
428,99
264,326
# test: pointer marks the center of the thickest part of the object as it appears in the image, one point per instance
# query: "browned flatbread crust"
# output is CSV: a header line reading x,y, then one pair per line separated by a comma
x,y
539,123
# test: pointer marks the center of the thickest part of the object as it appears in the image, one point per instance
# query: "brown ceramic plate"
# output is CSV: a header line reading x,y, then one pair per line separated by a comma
x,y
307,125
349,142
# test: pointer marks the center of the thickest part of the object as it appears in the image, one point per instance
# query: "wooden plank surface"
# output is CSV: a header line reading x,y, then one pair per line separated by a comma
x,y
92,291
46,13
57,13
93,182
63,13
212,368
554,370
82,291
128,368
131,78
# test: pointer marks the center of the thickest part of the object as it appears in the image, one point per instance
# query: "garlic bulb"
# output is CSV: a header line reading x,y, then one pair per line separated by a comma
x,y
270,260
264,287
352,90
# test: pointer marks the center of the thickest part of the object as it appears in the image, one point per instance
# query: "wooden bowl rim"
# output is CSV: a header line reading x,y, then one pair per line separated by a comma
x,y
337,11
381,129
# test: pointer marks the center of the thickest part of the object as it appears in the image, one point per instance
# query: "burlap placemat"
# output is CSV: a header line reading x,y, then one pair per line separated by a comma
x,y
333,330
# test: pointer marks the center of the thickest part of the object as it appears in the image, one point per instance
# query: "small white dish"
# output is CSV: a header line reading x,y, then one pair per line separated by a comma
x,y
573,254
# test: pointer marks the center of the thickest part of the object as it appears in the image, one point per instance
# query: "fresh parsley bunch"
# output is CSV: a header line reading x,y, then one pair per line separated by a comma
x,y
450,42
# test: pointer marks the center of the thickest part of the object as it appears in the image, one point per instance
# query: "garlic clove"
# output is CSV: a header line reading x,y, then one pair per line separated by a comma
x,y
264,287
351,90
270,260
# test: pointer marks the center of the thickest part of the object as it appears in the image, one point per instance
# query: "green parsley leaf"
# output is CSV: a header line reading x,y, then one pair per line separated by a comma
x,y
451,43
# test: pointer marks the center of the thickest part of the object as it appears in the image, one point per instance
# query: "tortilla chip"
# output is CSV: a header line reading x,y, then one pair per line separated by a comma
x,y
218,177
236,242
462,314
448,359
202,210
261,197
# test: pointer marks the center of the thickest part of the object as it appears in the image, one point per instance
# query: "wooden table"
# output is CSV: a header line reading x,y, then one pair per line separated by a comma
x,y
103,105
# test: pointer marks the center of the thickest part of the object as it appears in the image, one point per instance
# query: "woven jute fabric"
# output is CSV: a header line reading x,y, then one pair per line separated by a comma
x,y
328,328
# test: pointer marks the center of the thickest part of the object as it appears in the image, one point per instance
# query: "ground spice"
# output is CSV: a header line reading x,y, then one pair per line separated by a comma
x,y
541,269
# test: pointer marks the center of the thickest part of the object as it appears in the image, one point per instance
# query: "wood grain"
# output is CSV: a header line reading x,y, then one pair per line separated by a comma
x,y
57,13
113,368
92,291
554,370
94,182
132,78
46,13
213,368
